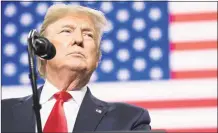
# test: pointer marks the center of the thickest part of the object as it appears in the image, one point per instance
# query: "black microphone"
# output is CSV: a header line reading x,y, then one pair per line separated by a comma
x,y
41,45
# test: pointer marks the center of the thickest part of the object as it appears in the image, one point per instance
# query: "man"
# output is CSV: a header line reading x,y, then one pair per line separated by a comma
x,y
75,32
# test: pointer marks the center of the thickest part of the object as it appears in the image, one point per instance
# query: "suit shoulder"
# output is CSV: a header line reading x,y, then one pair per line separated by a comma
x,y
121,107
129,107
9,102
130,113
124,108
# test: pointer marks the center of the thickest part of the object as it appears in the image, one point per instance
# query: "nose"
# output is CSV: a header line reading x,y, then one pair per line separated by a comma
x,y
77,37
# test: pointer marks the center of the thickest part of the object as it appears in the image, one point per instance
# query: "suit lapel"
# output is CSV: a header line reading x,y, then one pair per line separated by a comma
x,y
90,113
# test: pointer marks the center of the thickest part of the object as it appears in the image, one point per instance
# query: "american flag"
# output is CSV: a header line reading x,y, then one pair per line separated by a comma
x,y
161,56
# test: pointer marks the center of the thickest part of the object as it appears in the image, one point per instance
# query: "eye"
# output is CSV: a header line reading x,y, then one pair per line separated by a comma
x,y
88,35
66,31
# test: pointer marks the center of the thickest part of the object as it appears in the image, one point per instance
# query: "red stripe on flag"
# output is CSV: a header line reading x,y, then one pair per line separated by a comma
x,y
194,74
186,103
189,130
197,45
193,17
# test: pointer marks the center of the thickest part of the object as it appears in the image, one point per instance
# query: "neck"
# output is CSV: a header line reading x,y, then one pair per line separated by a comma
x,y
65,80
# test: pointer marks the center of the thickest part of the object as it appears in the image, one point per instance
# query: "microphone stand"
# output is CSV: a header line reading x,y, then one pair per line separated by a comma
x,y
33,77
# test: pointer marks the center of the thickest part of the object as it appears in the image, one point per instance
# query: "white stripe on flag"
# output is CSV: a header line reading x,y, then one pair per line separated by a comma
x,y
189,31
139,91
193,60
192,7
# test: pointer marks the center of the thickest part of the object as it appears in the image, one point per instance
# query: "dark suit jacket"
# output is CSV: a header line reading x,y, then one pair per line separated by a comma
x,y
17,115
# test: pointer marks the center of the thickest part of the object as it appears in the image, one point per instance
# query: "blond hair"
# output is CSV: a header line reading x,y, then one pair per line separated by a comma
x,y
56,12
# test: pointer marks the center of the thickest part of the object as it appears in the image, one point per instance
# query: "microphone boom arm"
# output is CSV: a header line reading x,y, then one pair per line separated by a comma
x,y
33,77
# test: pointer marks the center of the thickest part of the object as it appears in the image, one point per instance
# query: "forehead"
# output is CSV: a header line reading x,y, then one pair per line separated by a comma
x,y
79,19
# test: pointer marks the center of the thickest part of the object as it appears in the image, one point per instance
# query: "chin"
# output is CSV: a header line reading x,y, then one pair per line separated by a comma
x,y
77,67
76,64
80,69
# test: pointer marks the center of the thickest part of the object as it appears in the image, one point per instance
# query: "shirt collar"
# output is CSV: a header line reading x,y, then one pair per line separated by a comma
x,y
49,90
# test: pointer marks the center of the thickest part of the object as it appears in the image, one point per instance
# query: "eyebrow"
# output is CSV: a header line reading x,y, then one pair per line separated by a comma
x,y
68,26
84,27
87,28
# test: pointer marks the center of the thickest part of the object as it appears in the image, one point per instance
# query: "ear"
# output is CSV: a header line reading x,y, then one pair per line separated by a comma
x,y
41,64
99,58
99,55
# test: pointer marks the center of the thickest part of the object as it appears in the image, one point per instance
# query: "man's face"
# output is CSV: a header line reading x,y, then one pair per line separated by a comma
x,y
74,39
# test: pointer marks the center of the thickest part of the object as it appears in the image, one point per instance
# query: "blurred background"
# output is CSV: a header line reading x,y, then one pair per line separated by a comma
x,y
161,56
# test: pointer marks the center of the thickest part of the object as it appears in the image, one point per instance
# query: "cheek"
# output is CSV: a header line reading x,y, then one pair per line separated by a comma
x,y
90,45
93,54
60,46
60,41
59,53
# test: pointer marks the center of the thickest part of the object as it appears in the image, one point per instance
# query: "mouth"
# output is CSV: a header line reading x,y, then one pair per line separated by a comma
x,y
77,54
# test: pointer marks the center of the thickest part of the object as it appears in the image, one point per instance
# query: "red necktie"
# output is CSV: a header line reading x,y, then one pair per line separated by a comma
x,y
56,121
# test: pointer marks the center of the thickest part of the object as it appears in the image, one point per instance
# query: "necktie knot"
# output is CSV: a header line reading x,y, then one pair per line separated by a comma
x,y
62,95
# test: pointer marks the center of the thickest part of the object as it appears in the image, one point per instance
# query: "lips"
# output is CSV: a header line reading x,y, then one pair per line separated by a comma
x,y
76,54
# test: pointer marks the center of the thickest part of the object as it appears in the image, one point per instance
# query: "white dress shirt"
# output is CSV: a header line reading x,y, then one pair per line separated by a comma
x,y
71,107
